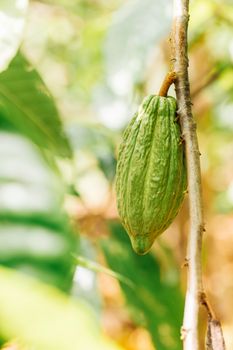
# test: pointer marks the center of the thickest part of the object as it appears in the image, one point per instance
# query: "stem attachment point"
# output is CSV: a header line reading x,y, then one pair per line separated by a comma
x,y
168,81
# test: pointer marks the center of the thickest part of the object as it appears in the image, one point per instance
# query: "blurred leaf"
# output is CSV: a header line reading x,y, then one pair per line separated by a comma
x,y
155,302
94,266
28,186
85,282
83,8
12,18
214,337
42,318
38,251
35,236
223,201
107,164
222,115
89,62
136,29
97,140
26,102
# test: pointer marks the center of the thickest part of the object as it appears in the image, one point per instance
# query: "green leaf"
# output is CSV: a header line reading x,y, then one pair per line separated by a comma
x,y
156,301
43,318
38,251
12,17
94,266
26,102
35,235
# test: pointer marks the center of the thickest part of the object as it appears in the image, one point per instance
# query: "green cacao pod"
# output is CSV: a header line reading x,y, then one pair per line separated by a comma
x,y
151,171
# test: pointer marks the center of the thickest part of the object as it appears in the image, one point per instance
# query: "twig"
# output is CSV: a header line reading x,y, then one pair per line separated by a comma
x,y
180,64
212,77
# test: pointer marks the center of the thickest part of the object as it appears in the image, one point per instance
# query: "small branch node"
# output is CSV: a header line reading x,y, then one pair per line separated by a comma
x,y
204,302
185,263
184,332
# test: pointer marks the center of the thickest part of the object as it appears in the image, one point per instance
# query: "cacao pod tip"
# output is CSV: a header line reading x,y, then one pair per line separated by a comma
x,y
141,244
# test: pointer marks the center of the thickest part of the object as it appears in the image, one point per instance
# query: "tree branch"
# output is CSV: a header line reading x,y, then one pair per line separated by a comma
x,y
195,294
180,63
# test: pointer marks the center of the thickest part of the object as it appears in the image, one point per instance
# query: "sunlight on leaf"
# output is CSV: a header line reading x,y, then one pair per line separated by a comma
x,y
27,104
42,318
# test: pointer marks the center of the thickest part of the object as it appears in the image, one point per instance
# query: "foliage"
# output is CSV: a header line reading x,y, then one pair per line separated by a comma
x,y
22,299
155,303
27,104
65,98
35,235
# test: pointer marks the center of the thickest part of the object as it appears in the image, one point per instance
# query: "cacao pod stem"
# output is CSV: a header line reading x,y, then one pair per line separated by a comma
x,y
168,81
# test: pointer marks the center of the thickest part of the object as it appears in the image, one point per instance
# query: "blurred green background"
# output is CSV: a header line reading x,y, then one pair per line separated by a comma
x,y
72,73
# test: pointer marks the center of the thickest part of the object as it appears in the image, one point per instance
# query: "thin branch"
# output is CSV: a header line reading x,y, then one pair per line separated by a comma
x,y
195,294
211,78
180,64
214,76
